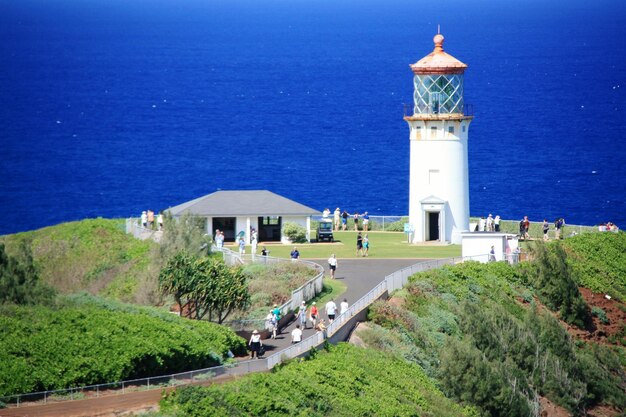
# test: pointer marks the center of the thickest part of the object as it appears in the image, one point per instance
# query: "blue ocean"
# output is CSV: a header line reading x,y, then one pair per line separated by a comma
x,y
108,108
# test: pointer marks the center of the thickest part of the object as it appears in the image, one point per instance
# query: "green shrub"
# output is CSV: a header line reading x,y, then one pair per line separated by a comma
x,y
294,232
599,262
88,341
344,381
600,314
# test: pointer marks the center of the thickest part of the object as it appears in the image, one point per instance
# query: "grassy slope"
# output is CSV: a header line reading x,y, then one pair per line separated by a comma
x,y
94,255
382,245
346,381
87,340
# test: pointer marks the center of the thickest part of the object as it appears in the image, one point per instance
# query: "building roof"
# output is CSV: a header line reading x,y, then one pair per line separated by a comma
x,y
438,62
243,203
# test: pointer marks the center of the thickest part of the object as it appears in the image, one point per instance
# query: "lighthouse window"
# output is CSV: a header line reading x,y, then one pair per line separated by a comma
x,y
451,130
463,128
418,132
433,132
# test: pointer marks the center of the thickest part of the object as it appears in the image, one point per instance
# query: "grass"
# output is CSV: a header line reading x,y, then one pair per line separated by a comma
x,y
382,245
331,291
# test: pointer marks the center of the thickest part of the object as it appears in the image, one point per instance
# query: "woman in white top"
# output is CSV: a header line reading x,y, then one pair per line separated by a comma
x,y
255,344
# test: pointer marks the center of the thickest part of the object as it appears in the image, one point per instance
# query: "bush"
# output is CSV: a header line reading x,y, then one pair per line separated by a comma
x,y
295,232
600,314
344,381
89,341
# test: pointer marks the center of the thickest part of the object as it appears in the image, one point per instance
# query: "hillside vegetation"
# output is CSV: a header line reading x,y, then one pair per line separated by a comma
x,y
85,340
483,332
95,255
344,381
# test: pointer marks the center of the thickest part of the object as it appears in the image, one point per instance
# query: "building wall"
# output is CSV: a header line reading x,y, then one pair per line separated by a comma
x,y
439,167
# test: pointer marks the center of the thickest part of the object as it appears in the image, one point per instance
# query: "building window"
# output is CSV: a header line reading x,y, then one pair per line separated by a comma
x,y
433,132
463,128
271,220
418,132
451,130
433,177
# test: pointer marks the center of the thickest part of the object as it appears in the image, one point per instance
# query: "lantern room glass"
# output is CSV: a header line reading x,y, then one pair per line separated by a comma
x,y
438,94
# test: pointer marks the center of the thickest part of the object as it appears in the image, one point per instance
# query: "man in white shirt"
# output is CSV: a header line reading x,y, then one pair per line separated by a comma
x,y
343,306
296,334
331,310
332,264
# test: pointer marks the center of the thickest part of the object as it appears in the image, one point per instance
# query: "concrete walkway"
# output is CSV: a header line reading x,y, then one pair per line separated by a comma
x,y
360,276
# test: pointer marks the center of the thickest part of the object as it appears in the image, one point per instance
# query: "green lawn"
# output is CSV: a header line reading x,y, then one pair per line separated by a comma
x,y
382,245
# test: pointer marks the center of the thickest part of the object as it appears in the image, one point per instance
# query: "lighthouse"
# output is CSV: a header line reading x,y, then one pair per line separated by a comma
x,y
438,182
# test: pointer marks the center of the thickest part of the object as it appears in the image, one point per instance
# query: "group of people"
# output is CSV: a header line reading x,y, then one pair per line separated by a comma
x,y
362,245
147,220
608,227
304,316
341,217
490,224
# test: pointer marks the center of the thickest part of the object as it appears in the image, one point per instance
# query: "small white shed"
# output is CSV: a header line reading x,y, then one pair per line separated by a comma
x,y
478,245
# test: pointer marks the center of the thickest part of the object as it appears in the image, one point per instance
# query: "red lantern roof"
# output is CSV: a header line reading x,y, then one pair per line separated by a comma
x,y
438,62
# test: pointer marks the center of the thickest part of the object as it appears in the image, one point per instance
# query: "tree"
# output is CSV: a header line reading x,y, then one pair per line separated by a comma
x,y
204,287
19,281
554,281
187,233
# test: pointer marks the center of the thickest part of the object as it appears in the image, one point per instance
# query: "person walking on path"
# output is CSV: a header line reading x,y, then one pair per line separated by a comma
x,y
242,246
314,313
302,315
271,323
332,264
296,334
343,307
295,254
255,344
331,310
336,216
366,245
276,311
359,244
546,227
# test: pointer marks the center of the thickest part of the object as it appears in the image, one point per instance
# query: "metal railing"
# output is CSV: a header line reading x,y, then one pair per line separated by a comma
x,y
305,292
427,109
391,282
376,223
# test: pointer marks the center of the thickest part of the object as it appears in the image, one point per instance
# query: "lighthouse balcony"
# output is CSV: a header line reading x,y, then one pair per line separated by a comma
x,y
430,112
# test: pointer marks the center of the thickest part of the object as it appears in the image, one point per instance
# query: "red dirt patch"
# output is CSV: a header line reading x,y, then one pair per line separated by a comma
x,y
549,409
601,332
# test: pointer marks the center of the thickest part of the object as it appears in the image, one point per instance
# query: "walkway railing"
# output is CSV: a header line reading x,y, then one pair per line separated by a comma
x,y
392,282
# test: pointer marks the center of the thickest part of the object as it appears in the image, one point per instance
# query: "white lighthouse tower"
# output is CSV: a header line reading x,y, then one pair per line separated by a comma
x,y
439,183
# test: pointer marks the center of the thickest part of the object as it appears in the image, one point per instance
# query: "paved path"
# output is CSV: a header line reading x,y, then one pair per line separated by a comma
x,y
360,276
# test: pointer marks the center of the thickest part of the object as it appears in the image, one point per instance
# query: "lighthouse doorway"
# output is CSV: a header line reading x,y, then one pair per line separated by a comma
x,y
432,226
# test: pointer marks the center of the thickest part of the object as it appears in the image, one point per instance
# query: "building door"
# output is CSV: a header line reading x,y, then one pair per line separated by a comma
x,y
433,226
226,225
269,228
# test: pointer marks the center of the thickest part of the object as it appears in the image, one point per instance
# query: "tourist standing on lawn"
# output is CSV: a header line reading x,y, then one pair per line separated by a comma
x,y
359,244
255,344
366,221
366,245
546,227
336,216
356,221
344,220
496,223
526,223
295,254
332,264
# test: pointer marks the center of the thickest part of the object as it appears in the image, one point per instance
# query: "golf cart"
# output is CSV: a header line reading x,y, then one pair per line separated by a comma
x,y
325,231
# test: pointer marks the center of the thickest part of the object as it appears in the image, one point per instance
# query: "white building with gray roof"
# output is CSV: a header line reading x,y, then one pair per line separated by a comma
x,y
239,211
